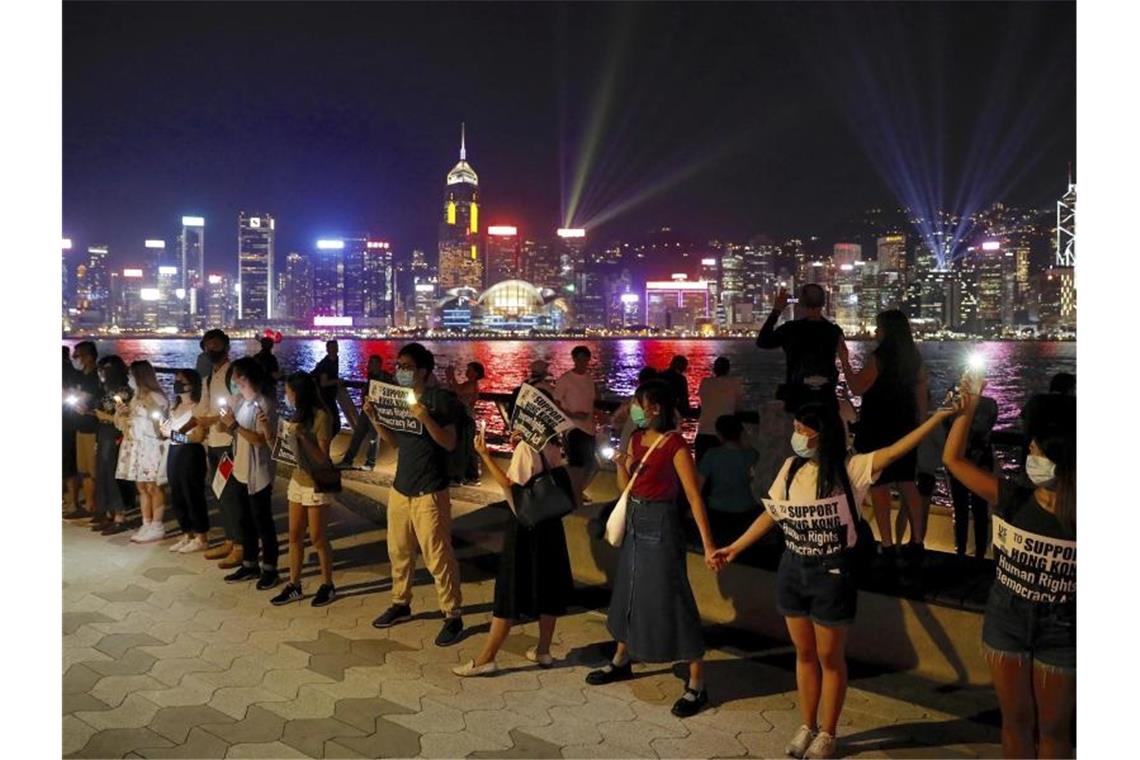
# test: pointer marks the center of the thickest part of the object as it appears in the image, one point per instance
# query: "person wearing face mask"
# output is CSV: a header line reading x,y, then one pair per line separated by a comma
x,y
86,391
363,428
419,505
216,395
186,464
815,588
140,455
252,420
1029,634
110,493
308,507
621,418
653,615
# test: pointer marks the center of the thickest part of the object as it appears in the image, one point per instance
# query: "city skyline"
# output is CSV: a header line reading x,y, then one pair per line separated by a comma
x,y
326,157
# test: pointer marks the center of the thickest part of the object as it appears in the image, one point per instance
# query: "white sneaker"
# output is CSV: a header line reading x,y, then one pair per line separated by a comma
x,y
197,545
545,660
137,536
469,669
822,746
799,743
156,532
177,547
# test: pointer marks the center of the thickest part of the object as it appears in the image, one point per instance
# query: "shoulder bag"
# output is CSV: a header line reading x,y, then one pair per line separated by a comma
x,y
547,496
615,525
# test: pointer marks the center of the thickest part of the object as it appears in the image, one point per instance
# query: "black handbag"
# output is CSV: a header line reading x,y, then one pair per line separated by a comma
x,y
547,496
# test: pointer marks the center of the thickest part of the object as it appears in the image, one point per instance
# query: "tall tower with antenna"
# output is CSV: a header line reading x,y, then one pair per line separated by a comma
x,y
1067,225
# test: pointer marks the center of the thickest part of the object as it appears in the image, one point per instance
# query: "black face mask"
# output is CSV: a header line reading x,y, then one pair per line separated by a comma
x,y
181,387
216,357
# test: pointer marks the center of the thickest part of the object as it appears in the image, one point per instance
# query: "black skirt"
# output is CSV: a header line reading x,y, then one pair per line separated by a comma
x,y
534,572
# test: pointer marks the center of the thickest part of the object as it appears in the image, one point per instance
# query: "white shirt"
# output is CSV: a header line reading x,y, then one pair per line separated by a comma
x,y
213,388
801,533
576,393
804,483
175,422
719,396
253,465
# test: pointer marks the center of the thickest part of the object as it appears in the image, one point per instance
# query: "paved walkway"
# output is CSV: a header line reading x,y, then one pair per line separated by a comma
x,y
163,659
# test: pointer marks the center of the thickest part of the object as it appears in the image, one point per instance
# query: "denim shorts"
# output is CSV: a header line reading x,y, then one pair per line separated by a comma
x,y
822,589
1017,627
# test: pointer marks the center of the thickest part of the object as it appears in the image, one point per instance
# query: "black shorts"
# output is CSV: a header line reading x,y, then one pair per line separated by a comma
x,y
822,589
1045,633
580,449
924,482
70,462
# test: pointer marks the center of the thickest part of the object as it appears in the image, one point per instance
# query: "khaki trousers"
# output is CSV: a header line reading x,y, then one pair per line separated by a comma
x,y
423,522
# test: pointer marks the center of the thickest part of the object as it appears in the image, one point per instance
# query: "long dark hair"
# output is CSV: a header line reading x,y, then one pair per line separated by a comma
x,y
1055,432
831,451
658,392
115,373
896,356
251,370
195,382
307,401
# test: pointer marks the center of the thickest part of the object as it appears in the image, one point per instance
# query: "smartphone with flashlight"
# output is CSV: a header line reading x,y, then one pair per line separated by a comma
x,y
607,453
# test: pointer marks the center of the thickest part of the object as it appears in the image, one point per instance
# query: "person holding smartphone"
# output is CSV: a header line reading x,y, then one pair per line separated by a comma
x,y
216,394
109,490
186,463
1029,634
252,422
140,455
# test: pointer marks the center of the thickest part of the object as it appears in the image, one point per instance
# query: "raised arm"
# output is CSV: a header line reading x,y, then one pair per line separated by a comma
x,y
489,463
977,480
884,457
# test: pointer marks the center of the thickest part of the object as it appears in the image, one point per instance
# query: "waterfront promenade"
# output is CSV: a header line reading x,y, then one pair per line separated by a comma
x,y
161,658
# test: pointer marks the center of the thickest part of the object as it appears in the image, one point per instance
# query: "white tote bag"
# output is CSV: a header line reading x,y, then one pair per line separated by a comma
x,y
615,525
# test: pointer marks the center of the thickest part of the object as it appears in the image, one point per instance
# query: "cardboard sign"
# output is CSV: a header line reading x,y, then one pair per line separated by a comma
x,y
393,407
820,528
1035,567
283,451
537,418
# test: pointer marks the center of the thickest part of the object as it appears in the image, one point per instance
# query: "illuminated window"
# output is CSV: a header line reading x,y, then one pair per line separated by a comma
x,y
451,212
474,218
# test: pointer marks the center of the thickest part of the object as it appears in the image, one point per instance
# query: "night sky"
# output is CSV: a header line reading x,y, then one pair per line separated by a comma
x,y
727,120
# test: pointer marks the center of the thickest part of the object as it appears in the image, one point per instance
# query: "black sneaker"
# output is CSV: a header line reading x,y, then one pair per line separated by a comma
x,y
397,613
449,634
291,593
326,594
243,573
268,579
690,702
76,514
610,674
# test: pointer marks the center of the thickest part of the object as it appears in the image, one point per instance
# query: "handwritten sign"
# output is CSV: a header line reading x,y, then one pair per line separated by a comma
x,y
1035,567
820,528
537,418
283,448
393,407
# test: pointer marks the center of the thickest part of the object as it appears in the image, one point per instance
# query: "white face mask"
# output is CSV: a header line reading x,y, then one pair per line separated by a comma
x,y
800,446
1040,470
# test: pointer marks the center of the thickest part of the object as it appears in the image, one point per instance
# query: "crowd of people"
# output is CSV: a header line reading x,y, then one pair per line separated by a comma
x,y
211,447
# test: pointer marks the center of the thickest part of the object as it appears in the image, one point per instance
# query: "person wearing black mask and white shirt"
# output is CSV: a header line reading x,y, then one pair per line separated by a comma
x,y
215,397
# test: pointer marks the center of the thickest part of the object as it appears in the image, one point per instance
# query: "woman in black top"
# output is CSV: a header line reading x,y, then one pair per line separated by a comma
x,y
893,386
1029,634
110,493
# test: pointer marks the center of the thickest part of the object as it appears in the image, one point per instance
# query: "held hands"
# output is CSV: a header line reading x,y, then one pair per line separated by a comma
x,y
710,558
780,302
722,557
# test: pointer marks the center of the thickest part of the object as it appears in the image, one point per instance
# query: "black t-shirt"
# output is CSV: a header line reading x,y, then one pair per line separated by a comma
x,y
809,345
680,387
90,391
1035,556
330,367
421,463
268,363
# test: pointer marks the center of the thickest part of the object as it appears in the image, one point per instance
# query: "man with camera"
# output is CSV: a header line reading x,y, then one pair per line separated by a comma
x,y
809,344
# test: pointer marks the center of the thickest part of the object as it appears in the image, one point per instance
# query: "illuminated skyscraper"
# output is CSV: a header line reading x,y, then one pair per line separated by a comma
x,y
1067,226
93,287
504,260
192,247
255,267
540,264
298,287
459,262
328,278
892,253
378,285
354,252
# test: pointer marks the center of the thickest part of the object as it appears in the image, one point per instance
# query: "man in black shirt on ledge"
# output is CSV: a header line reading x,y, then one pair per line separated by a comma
x,y
809,345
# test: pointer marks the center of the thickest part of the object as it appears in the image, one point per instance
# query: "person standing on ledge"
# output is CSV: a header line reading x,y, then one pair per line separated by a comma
x,y
419,505
575,392
809,345
327,375
675,378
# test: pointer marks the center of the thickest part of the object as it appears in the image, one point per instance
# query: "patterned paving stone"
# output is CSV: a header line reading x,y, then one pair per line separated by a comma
x,y
188,692
118,644
134,712
73,620
362,713
174,723
460,744
309,736
79,679
700,742
76,733
171,672
389,740
82,702
258,726
163,574
113,689
120,741
236,700
432,716
309,703
198,744
131,593
133,662
272,750
524,746
287,682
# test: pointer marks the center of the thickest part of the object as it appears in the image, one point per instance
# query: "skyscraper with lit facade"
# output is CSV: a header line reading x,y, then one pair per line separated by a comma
x,y
460,264
328,278
255,267
378,299
504,256
298,287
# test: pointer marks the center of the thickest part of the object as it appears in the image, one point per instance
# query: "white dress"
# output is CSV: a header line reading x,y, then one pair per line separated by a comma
x,y
140,456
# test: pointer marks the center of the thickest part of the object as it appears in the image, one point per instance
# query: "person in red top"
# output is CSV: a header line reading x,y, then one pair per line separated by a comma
x,y
653,615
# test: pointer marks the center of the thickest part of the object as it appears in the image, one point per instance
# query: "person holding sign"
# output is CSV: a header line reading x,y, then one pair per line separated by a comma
x,y
186,464
1030,629
422,428
816,499
534,579
307,505
653,615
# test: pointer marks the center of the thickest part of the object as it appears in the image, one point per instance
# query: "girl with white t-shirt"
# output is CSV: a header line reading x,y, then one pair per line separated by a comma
x,y
816,499
140,455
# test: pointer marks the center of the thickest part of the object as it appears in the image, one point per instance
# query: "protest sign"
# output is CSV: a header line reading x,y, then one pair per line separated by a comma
x,y
818,528
283,451
537,418
393,407
1035,567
